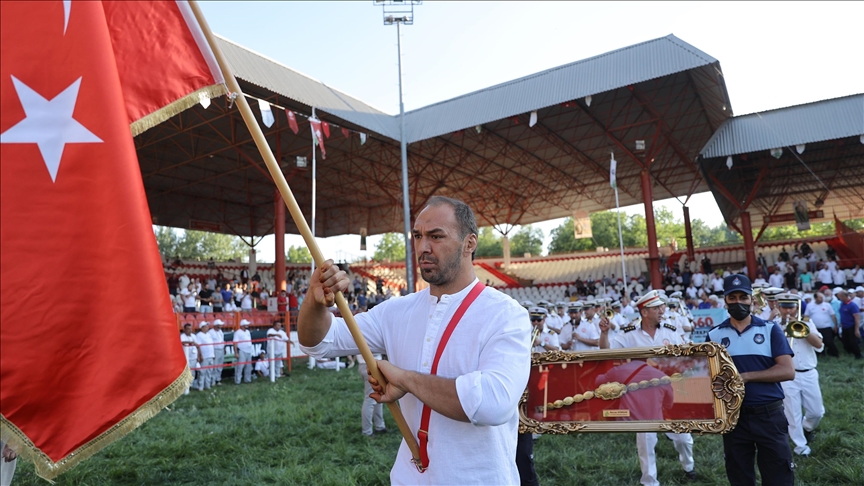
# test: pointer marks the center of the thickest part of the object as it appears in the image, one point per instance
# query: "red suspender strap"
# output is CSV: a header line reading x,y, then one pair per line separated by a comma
x,y
423,433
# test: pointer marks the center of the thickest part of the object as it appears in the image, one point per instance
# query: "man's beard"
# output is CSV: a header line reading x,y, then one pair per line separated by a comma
x,y
446,271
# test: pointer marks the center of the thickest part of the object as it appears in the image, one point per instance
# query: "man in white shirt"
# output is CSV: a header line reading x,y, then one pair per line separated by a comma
x,y
190,298
582,335
776,278
858,275
483,369
545,339
618,320
243,352
218,339
190,349
565,339
804,390
651,333
626,307
839,277
826,277
205,346
822,316
717,284
698,279
277,341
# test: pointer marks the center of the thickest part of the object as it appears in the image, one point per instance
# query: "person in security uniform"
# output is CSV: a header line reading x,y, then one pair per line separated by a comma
x,y
804,390
764,359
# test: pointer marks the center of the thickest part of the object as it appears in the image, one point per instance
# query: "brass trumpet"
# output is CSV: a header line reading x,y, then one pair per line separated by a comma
x,y
797,329
759,300
534,336
609,314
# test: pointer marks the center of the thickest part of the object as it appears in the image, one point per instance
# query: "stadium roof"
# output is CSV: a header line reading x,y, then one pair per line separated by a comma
x,y
820,162
201,169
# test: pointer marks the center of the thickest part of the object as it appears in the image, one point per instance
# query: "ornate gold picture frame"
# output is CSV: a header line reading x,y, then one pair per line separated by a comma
x,y
676,388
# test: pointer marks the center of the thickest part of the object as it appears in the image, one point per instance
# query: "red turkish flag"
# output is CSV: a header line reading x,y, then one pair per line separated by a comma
x,y
89,346
346,133
317,136
292,121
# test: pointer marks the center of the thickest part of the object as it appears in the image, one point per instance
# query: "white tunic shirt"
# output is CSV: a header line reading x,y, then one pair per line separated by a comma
x,y
206,343
189,348
243,335
488,355
586,330
639,338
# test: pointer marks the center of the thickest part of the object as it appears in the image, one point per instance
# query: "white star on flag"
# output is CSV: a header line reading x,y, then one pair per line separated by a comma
x,y
48,124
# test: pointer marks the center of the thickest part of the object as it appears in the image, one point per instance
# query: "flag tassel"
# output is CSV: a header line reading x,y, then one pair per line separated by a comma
x,y
48,469
302,225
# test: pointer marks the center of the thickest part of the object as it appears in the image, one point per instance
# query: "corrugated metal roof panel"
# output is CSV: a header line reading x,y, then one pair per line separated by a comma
x,y
785,127
266,73
623,67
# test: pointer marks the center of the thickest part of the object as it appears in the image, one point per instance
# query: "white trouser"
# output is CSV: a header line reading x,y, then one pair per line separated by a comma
x,y
205,375
803,390
7,469
219,351
645,442
193,367
371,410
279,364
311,363
244,369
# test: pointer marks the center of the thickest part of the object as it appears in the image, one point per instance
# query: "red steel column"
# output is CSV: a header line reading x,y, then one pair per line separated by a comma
x,y
653,254
688,232
749,250
279,230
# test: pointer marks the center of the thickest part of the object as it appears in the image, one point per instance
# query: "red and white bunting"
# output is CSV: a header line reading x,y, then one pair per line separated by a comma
x,y
292,121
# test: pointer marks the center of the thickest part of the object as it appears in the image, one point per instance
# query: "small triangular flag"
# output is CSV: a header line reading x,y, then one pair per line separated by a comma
x,y
266,113
326,128
362,138
292,121
346,133
533,120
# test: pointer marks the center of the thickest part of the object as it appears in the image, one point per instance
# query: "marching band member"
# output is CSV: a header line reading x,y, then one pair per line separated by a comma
x,y
619,321
652,333
565,339
804,389
770,312
543,339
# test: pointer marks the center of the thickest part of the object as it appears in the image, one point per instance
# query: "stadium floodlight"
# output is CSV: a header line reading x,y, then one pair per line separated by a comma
x,y
640,145
402,12
302,162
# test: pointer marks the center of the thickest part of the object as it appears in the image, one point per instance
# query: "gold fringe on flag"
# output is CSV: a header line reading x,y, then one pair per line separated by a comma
x,y
47,469
143,124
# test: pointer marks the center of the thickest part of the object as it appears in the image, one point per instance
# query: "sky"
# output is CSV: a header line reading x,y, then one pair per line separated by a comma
x,y
773,54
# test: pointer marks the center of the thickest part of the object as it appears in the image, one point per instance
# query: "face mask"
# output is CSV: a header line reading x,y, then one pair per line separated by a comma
x,y
738,311
828,298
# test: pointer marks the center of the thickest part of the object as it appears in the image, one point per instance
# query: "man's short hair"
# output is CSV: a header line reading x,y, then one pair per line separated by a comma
x,y
464,215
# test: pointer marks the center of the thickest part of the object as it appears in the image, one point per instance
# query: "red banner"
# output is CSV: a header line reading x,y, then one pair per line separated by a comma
x,y
75,76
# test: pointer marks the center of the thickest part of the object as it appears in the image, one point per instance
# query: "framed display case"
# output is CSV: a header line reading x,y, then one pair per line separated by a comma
x,y
678,388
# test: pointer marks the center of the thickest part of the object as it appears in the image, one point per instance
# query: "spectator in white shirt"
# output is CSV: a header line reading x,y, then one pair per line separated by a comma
x,y
776,278
262,365
717,284
822,315
205,347
246,302
698,279
277,340
858,275
839,277
190,349
243,351
781,265
831,265
483,370
825,276
218,339
190,298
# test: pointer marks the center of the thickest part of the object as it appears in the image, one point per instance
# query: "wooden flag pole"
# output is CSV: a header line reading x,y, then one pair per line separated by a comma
x,y
300,221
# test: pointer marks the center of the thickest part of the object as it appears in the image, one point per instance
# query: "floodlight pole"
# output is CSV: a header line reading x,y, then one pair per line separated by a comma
x,y
406,209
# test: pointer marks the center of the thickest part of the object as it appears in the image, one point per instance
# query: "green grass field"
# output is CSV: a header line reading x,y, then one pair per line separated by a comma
x,y
306,430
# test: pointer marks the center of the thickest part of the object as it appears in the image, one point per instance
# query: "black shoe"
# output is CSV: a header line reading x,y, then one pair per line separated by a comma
x,y
690,475
809,434
382,431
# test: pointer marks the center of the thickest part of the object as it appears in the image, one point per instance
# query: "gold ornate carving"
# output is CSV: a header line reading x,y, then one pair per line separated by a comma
x,y
727,389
